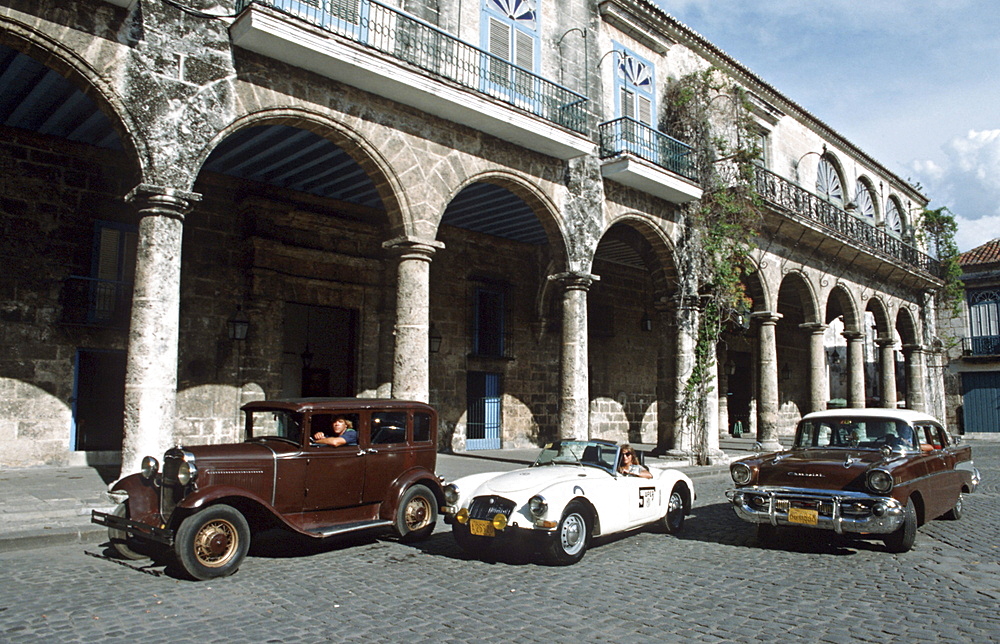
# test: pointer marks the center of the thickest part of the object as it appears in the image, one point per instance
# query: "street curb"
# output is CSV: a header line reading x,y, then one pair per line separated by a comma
x,y
44,538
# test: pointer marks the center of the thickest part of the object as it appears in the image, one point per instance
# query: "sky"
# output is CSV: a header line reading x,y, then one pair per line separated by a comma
x,y
914,83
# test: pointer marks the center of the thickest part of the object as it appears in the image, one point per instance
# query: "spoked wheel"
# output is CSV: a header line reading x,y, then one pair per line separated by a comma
x,y
572,536
213,542
416,515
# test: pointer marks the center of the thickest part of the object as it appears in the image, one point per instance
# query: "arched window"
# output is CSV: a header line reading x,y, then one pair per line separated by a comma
x,y
894,217
511,33
634,85
828,183
864,201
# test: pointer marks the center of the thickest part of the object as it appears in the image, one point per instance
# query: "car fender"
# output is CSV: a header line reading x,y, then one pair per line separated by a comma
x,y
469,486
143,498
409,478
669,477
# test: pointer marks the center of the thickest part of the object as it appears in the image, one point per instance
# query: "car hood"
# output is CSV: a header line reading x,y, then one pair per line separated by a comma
x,y
535,479
818,468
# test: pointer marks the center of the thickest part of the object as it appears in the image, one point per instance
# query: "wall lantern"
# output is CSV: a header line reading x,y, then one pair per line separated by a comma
x,y
730,367
435,339
238,325
647,322
307,357
835,357
786,372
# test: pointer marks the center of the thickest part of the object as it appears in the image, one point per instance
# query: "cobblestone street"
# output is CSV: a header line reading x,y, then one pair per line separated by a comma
x,y
711,584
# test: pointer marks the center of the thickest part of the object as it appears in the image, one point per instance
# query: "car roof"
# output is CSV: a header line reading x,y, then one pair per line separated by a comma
x,y
906,415
336,404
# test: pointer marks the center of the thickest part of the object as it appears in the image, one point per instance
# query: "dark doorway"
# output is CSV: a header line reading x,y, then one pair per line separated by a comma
x,y
740,391
483,420
99,400
320,348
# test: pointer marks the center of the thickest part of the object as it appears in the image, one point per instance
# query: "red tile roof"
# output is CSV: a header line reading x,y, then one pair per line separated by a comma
x,y
988,253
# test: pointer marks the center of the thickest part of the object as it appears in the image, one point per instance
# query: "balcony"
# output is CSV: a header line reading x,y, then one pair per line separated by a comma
x,y
981,346
390,53
804,207
87,301
640,157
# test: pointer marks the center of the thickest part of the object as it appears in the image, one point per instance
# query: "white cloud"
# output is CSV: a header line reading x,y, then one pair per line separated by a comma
x,y
968,183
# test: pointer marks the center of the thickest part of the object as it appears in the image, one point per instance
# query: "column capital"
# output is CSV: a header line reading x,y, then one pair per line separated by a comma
x,y
406,247
575,280
815,328
162,200
913,348
853,336
766,318
885,341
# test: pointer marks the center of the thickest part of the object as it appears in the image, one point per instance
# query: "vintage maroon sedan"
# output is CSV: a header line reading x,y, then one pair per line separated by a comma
x,y
876,473
205,501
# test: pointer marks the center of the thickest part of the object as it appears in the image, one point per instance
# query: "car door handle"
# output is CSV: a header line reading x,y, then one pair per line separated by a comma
x,y
372,451
361,452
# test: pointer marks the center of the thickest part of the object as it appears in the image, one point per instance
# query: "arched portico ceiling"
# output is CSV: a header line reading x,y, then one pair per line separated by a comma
x,y
36,98
294,159
633,243
906,326
796,299
491,209
881,314
839,304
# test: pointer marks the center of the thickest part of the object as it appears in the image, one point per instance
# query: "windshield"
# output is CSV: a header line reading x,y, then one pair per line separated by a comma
x,y
854,432
282,424
590,453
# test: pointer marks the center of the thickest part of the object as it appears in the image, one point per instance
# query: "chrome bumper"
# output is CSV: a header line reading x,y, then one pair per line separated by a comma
x,y
842,512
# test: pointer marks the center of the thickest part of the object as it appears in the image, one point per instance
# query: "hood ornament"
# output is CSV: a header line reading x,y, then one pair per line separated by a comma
x,y
851,460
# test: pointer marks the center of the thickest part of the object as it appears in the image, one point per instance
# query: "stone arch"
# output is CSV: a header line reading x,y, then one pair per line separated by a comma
x,y
796,283
759,290
539,203
56,56
654,248
879,309
365,154
907,326
841,301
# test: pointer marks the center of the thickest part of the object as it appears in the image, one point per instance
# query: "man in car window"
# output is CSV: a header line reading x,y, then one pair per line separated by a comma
x,y
342,432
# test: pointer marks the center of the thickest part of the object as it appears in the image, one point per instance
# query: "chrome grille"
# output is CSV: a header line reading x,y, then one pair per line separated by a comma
x,y
486,507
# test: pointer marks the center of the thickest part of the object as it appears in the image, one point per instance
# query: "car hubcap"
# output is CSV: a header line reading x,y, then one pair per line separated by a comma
x,y
417,513
675,505
215,544
573,534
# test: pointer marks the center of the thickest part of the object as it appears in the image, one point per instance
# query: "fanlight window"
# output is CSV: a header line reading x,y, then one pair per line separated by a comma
x,y
893,217
863,201
520,11
828,184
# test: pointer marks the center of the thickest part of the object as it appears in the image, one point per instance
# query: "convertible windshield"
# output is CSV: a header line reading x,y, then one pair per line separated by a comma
x,y
854,431
592,453
279,423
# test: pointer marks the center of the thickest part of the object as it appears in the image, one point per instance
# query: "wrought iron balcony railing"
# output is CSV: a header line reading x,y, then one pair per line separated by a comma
x,y
89,301
409,39
625,135
981,346
786,196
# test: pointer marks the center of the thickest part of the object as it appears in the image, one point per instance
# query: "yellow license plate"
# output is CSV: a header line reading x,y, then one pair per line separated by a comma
x,y
481,528
801,515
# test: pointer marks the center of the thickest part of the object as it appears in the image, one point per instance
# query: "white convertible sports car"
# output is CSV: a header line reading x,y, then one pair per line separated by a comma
x,y
574,491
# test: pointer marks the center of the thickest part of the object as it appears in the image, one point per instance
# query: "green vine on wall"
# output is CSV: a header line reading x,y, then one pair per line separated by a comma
x,y
939,229
710,113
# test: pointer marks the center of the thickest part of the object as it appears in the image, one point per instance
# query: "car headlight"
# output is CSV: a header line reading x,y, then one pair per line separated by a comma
x,y
879,481
451,494
186,473
741,473
150,466
538,506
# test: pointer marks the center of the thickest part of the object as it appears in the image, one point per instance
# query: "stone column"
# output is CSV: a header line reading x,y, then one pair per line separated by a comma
x,y
914,354
574,389
151,366
855,368
410,372
887,363
767,400
687,314
819,388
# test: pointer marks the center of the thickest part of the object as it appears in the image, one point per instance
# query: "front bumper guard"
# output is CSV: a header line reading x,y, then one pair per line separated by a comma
x,y
132,528
888,521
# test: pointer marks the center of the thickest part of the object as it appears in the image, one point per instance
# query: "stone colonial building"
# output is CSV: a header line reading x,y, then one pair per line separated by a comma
x,y
206,202
973,340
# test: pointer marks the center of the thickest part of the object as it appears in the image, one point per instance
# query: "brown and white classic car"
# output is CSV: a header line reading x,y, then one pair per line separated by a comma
x,y
204,502
876,473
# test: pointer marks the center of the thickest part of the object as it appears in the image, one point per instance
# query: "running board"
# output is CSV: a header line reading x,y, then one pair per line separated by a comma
x,y
348,527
